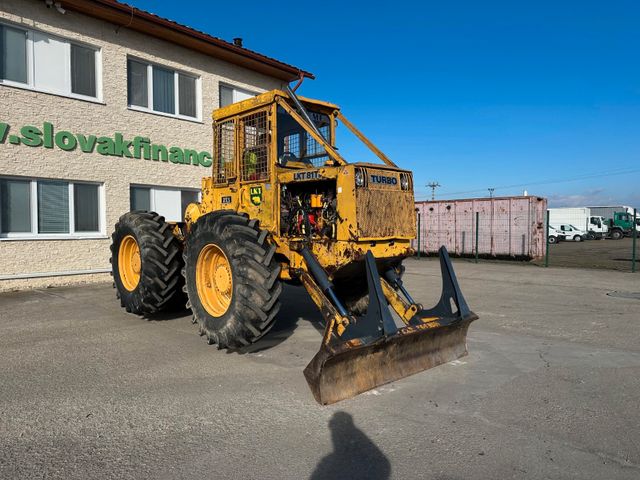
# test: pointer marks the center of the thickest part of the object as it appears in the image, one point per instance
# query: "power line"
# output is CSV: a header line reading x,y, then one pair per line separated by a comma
x,y
433,186
585,176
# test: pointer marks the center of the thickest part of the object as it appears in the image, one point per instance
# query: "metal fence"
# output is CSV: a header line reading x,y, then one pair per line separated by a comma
x,y
588,247
498,229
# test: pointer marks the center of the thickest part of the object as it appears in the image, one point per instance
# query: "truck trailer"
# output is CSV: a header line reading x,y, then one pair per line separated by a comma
x,y
582,219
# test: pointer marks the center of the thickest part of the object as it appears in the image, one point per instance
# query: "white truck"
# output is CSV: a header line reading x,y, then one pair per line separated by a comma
x,y
578,222
619,218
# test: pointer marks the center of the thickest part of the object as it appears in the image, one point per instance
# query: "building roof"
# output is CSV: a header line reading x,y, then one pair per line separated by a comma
x,y
127,16
265,99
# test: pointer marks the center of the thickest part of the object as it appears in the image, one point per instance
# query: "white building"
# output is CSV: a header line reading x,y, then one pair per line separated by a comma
x,y
104,108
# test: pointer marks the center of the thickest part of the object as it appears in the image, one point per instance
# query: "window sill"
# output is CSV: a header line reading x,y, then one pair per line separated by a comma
x,y
63,236
72,96
162,114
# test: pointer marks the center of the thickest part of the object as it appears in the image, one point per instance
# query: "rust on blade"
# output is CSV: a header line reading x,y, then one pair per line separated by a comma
x,y
344,371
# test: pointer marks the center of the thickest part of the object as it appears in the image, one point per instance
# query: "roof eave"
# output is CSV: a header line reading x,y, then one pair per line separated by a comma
x,y
134,19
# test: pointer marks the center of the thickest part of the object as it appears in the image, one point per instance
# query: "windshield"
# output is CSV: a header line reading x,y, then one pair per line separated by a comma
x,y
296,144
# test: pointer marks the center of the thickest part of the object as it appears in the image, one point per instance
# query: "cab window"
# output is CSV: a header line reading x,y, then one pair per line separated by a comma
x,y
295,144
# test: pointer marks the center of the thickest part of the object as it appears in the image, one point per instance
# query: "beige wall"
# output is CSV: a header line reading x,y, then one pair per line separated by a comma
x,y
20,107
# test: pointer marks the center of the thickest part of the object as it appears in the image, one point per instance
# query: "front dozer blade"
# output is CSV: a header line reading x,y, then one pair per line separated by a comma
x,y
373,351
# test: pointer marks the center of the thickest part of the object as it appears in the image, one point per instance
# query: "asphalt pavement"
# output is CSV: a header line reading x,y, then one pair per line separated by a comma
x,y
550,389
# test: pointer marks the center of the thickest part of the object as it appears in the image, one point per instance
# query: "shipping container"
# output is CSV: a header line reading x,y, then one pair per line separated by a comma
x,y
507,226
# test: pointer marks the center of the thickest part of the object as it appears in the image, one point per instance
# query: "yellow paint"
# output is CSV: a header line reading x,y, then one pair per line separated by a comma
x,y
214,280
378,216
129,264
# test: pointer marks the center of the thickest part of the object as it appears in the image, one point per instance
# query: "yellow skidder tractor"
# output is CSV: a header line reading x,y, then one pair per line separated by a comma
x,y
283,205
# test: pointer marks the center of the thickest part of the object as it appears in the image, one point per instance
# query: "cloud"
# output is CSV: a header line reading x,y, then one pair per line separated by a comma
x,y
591,197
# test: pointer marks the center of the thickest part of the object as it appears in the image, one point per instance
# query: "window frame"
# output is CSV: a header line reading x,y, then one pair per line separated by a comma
x,y
33,210
176,92
151,188
222,85
30,84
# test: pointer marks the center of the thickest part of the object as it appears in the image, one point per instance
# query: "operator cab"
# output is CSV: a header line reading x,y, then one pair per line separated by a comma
x,y
296,147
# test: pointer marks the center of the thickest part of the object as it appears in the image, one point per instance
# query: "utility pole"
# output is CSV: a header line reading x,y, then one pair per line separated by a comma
x,y
433,186
491,190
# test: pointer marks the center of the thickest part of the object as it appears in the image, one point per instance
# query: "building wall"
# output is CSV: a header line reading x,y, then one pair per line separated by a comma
x,y
19,107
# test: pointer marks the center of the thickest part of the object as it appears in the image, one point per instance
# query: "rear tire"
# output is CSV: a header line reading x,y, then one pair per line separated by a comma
x,y
153,282
577,238
244,270
617,235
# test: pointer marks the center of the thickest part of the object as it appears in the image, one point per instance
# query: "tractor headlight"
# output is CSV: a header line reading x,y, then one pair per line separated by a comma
x,y
359,176
404,181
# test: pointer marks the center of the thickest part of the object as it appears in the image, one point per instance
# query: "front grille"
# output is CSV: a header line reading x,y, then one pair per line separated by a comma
x,y
384,209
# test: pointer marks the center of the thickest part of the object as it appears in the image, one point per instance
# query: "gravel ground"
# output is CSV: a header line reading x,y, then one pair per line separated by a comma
x,y
609,254
549,390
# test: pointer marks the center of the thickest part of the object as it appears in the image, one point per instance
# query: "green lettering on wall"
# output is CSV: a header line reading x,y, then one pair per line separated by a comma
x,y
190,157
4,129
66,140
122,147
48,135
176,155
31,136
86,143
106,146
205,159
157,150
141,148
118,145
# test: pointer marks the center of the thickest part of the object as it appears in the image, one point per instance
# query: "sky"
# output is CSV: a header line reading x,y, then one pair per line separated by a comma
x,y
539,96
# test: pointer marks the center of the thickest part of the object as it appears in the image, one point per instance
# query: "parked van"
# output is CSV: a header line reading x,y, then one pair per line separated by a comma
x,y
555,235
571,232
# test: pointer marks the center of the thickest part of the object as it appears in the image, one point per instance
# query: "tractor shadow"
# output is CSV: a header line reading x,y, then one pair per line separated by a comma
x,y
354,455
296,306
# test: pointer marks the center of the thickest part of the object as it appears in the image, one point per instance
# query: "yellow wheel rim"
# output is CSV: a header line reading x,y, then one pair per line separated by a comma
x,y
129,264
214,280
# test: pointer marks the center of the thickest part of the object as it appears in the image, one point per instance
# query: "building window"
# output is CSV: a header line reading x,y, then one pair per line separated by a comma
x,y
171,203
229,95
39,61
31,208
15,201
157,89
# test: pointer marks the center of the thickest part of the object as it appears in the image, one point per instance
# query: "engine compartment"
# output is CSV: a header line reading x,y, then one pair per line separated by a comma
x,y
309,209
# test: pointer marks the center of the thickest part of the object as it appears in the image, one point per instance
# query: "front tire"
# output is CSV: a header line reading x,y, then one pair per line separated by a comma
x,y
231,279
146,264
617,235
